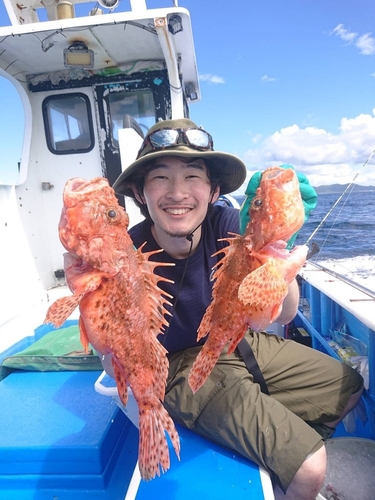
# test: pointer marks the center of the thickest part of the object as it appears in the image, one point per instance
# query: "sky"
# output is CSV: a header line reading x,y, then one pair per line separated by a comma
x,y
282,81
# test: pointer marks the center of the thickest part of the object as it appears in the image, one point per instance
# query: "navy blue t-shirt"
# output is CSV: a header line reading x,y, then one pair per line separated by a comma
x,y
195,291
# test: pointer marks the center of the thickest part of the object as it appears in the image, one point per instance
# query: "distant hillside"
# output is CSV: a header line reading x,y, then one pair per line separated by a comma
x,y
339,188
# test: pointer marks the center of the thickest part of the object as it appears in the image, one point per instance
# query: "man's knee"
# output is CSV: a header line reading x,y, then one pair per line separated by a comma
x,y
309,478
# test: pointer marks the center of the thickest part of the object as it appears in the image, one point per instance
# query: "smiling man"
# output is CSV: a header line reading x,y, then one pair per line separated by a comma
x,y
175,181
177,194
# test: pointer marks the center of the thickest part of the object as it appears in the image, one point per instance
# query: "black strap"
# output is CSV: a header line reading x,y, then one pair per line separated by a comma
x,y
251,363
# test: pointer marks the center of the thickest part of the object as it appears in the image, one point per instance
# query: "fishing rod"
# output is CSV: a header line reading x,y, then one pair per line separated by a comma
x,y
316,249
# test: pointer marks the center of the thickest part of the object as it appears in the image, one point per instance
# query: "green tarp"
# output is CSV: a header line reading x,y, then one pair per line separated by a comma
x,y
58,350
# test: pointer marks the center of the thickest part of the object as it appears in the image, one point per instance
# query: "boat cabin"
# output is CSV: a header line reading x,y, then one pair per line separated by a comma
x,y
92,79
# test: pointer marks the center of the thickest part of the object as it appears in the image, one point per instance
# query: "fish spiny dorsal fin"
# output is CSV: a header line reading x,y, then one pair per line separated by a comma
x,y
219,271
157,297
221,265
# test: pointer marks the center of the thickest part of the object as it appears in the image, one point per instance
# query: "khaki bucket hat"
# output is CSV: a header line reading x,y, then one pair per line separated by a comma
x,y
231,171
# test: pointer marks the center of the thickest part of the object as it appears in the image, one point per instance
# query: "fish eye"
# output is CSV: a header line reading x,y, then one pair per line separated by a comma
x,y
111,213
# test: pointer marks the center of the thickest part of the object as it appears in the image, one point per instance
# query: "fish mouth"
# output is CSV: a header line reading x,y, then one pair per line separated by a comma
x,y
77,189
282,179
284,175
278,249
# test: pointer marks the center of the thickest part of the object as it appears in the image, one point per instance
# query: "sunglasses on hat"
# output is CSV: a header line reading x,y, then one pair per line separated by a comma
x,y
196,138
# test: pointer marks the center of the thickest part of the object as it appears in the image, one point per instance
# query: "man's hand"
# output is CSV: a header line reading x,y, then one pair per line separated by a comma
x,y
308,194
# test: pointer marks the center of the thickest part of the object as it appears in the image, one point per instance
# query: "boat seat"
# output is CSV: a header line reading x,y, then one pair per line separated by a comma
x,y
61,439
130,122
58,435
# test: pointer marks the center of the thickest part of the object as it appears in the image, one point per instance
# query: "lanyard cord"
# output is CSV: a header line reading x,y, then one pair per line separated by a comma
x,y
189,237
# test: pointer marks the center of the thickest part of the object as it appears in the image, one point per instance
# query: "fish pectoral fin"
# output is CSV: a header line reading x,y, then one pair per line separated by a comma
x,y
263,287
61,309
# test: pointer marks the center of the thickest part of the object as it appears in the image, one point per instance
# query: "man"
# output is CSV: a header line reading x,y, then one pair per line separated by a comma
x,y
175,181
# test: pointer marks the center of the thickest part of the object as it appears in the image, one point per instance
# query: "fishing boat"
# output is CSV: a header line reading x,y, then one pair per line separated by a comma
x,y
93,78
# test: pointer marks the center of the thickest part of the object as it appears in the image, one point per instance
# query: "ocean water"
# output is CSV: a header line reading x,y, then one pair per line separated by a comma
x,y
346,239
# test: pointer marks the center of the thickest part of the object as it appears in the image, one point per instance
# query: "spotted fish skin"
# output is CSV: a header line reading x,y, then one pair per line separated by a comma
x,y
252,278
121,308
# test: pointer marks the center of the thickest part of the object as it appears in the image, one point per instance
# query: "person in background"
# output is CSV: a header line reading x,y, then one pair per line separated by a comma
x,y
176,181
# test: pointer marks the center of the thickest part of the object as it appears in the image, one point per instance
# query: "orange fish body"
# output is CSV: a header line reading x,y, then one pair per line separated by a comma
x,y
122,309
251,280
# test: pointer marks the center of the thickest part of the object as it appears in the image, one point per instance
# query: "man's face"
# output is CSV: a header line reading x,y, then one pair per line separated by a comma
x,y
177,195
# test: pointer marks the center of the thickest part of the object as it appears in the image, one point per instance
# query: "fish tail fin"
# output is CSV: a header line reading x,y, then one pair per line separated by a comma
x,y
202,367
153,445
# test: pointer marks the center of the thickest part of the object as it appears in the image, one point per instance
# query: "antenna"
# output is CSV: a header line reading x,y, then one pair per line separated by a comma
x,y
109,4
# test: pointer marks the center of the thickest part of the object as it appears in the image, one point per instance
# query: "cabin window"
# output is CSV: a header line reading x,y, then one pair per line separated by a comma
x,y
131,109
68,124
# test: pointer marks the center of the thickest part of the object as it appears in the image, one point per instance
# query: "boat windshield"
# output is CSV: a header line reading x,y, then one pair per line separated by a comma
x,y
131,109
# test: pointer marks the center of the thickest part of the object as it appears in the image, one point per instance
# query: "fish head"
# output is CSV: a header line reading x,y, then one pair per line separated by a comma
x,y
276,211
93,225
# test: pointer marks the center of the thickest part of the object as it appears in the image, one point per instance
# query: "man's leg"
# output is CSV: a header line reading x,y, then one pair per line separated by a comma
x,y
327,429
230,410
308,480
351,404
318,388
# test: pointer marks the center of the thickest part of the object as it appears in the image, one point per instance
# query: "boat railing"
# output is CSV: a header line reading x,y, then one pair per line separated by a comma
x,y
347,280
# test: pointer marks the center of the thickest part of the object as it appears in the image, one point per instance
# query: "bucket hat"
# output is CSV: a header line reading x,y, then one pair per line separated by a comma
x,y
230,170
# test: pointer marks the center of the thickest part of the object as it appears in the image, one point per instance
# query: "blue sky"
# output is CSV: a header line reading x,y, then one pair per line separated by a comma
x,y
289,81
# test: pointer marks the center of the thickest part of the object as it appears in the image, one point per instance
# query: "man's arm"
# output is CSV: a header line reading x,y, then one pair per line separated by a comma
x,y
290,304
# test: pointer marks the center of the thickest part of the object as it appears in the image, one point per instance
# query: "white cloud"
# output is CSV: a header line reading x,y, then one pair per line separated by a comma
x,y
207,77
324,157
266,78
344,34
365,43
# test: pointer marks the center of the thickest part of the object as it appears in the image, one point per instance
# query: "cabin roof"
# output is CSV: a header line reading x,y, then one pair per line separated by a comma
x,y
119,41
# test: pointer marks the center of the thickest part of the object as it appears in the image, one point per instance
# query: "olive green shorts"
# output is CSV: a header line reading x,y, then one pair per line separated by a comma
x,y
305,385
